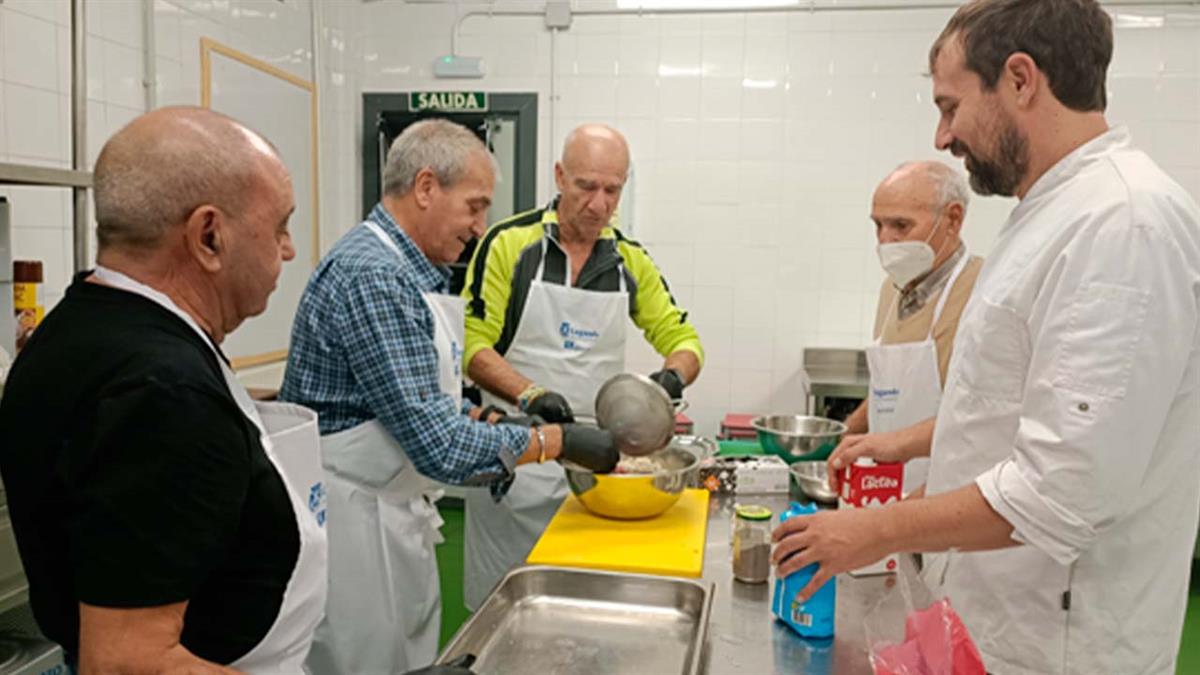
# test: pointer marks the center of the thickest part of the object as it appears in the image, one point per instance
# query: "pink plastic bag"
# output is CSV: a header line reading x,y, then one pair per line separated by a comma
x,y
931,640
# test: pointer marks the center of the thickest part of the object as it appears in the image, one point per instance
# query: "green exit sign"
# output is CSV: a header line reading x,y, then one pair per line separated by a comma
x,y
448,101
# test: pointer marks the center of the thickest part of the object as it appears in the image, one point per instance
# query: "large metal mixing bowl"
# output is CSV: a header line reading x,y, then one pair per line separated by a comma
x,y
627,496
798,437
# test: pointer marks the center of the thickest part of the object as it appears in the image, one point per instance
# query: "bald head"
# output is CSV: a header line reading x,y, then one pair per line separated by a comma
x,y
590,177
165,164
596,147
929,182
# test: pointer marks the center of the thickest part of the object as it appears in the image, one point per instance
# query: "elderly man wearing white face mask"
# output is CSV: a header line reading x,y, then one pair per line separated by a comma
x,y
918,212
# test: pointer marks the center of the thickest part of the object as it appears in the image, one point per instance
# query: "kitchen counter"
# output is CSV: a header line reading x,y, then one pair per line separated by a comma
x,y
743,634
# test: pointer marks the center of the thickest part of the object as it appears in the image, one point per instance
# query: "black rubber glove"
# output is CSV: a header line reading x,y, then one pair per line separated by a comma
x,y
551,407
671,380
459,666
486,413
589,447
526,421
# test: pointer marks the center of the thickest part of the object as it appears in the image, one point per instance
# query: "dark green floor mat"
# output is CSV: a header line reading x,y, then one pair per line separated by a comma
x,y
450,568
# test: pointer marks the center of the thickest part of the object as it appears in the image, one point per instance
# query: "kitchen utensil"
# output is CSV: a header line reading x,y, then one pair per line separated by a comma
x,y
628,496
813,478
638,412
797,437
552,621
671,544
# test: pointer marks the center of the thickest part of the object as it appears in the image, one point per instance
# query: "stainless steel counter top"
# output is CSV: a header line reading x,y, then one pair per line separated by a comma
x,y
743,634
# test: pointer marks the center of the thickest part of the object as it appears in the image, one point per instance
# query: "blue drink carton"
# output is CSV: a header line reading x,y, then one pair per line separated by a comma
x,y
813,618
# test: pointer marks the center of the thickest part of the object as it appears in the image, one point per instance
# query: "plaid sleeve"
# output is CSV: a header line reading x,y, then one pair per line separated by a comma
x,y
387,331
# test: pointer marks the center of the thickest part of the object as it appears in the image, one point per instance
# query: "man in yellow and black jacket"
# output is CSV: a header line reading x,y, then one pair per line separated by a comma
x,y
548,293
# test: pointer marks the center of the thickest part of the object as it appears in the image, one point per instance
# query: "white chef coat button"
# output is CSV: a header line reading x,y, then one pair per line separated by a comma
x,y
1083,407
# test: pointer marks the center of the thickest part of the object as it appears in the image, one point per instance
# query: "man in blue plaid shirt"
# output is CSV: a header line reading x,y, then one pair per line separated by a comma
x,y
376,351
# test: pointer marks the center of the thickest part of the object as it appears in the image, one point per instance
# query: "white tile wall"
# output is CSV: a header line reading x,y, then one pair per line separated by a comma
x,y
35,91
757,139
769,134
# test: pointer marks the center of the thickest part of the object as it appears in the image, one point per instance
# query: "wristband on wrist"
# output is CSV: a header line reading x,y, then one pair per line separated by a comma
x,y
527,395
541,436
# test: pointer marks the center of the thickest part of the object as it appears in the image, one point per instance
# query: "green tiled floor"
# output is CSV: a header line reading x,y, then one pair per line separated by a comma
x,y
450,568
450,564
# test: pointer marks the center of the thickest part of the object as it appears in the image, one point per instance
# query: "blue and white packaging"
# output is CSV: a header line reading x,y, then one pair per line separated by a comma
x,y
814,617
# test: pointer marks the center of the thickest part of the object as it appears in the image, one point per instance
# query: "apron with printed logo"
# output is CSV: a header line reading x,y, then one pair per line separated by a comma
x,y
906,384
289,437
384,611
569,340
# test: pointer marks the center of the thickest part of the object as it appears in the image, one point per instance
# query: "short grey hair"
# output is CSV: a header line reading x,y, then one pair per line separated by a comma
x,y
439,145
950,184
158,169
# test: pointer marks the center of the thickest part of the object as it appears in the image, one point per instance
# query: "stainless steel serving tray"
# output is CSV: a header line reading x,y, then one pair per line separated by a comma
x,y
548,620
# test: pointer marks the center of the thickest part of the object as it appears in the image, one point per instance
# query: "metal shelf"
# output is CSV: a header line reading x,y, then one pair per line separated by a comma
x,y
23,174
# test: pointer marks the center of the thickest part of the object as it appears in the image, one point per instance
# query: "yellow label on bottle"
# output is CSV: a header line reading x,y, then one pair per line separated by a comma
x,y
25,295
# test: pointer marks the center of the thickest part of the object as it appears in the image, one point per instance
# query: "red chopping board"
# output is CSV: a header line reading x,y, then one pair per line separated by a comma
x,y
670,544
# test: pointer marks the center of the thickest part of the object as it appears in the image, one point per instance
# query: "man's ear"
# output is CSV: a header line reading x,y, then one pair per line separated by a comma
x,y
954,214
1024,77
205,235
560,177
425,184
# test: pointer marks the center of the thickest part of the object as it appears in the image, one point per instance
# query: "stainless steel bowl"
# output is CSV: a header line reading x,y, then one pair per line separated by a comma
x,y
813,479
798,437
637,411
627,496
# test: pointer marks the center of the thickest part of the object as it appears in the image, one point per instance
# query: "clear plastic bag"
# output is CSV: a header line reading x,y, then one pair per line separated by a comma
x,y
909,632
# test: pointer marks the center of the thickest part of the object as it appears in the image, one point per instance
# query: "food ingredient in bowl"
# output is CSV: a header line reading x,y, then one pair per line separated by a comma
x,y
638,465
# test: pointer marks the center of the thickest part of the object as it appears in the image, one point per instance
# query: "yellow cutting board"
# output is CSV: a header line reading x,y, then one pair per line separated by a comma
x,y
670,544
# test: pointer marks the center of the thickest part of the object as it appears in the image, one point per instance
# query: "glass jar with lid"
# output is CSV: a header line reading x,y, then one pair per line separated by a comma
x,y
752,544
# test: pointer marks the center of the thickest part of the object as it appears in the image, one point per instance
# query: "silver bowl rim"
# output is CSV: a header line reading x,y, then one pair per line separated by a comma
x,y
694,464
839,429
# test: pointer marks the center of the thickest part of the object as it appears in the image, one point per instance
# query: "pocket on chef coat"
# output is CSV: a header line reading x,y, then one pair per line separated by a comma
x,y
1095,355
992,352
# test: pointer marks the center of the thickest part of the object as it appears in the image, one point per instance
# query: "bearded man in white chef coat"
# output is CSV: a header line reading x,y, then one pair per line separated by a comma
x,y
1066,457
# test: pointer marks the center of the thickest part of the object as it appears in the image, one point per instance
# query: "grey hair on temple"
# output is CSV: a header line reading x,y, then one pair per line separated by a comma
x,y
439,145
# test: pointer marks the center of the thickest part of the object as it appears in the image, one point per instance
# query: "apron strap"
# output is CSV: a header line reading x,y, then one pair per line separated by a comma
x,y
541,269
382,236
945,294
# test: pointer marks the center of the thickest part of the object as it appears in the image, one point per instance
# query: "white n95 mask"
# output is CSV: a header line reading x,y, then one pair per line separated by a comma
x,y
906,260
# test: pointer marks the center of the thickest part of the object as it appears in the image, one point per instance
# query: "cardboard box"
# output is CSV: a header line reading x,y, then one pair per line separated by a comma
x,y
867,485
757,474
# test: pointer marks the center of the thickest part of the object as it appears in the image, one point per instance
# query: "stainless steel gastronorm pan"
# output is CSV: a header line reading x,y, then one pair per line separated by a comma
x,y
548,620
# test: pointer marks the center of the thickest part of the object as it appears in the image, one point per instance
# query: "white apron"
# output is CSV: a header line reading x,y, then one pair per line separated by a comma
x,y
570,340
384,611
289,436
906,384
